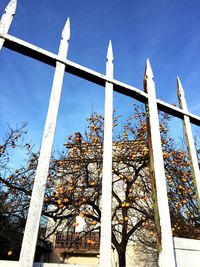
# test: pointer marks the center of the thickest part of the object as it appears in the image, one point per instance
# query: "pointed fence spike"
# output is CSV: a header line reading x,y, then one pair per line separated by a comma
x,y
178,80
110,57
149,85
11,7
181,94
66,30
6,19
64,44
148,69
179,85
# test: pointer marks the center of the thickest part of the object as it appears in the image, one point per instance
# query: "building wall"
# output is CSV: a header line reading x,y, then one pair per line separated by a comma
x,y
77,260
187,252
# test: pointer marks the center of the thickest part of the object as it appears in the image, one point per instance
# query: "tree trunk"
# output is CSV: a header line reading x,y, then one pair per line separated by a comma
x,y
122,257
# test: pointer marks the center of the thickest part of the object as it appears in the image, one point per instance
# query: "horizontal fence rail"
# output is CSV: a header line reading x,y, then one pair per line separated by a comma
x,y
78,70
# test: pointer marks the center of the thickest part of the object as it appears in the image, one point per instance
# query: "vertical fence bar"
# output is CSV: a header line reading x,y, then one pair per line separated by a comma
x,y
189,139
106,213
33,220
7,19
157,172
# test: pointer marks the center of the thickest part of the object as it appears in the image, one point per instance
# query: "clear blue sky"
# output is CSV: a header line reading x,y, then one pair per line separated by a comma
x,y
165,31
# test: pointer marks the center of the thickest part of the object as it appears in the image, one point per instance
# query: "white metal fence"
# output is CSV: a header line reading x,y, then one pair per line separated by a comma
x,y
167,257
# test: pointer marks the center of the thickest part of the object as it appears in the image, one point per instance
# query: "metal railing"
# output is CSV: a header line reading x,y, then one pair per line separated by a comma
x,y
148,96
72,241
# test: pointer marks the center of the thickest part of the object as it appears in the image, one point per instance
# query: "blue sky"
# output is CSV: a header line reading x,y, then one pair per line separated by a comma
x,y
165,31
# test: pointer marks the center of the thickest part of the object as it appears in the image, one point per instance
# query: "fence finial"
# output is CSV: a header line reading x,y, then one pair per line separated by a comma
x,y
181,95
6,19
63,49
148,70
110,57
66,30
11,7
180,90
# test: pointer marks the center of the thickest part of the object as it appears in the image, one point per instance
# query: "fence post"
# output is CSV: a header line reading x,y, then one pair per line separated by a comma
x,y
6,19
157,172
106,212
35,209
189,140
